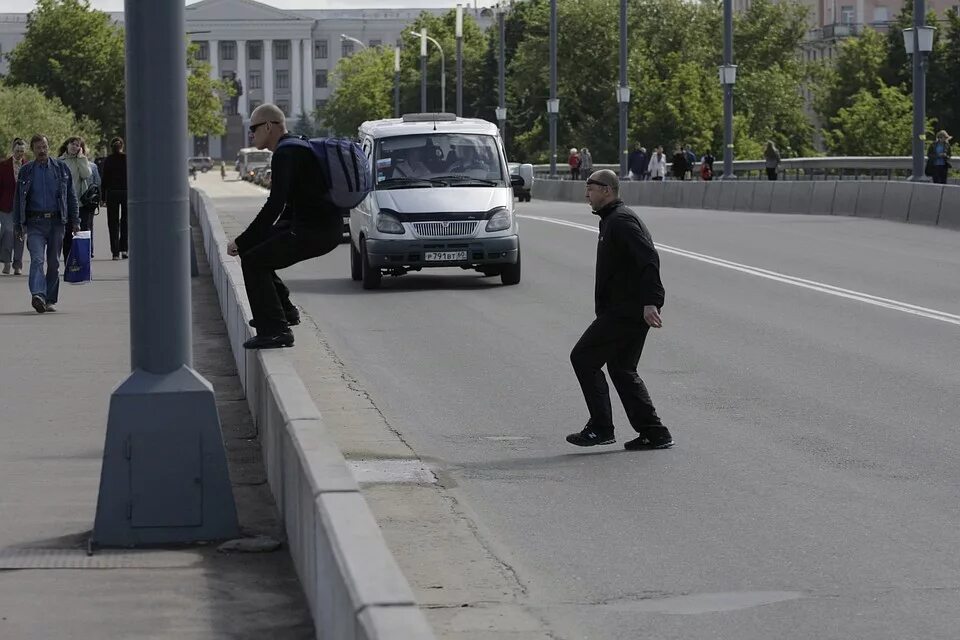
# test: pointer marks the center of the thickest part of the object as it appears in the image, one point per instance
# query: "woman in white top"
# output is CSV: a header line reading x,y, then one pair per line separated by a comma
x,y
73,153
658,164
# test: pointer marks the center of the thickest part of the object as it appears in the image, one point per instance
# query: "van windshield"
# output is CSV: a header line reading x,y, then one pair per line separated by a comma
x,y
445,159
254,157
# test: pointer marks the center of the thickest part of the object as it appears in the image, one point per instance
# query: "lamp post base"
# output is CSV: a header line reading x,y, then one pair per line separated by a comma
x,y
164,478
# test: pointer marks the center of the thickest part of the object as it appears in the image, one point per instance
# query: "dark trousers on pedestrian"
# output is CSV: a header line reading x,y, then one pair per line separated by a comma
x,y
940,174
771,173
117,221
617,343
44,241
286,246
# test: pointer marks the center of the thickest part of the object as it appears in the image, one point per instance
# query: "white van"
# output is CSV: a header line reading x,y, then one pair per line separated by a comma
x,y
249,159
442,197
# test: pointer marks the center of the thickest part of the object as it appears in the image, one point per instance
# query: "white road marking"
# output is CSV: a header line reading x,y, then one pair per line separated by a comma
x,y
886,303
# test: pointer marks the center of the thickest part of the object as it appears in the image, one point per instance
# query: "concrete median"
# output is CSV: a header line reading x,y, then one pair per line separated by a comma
x,y
352,583
925,203
870,199
950,208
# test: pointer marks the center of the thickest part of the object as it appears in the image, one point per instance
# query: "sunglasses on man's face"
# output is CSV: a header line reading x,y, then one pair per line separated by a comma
x,y
597,183
254,127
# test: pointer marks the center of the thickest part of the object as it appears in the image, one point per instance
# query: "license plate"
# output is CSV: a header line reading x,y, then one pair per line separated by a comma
x,y
444,256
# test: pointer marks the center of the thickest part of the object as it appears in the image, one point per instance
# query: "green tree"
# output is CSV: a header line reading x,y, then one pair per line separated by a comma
x,y
859,66
943,82
75,54
877,123
27,111
363,91
205,96
304,126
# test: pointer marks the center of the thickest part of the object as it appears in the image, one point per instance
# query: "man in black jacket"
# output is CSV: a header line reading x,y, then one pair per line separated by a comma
x,y
296,223
628,297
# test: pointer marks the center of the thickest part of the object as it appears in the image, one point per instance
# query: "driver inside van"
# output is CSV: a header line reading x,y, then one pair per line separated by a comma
x,y
410,164
468,160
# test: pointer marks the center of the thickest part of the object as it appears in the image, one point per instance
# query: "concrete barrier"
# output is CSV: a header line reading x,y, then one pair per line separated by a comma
x,y
950,208
743,195
352,583
762,196
845,198
780,197
870,199
728,194
672,191
925,203
691,197
821,201
800,197
896,201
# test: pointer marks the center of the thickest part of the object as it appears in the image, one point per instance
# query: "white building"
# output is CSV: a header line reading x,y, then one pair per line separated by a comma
x,y
282,56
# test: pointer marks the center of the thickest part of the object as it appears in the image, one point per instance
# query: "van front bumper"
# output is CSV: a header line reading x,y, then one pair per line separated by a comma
x,y
412,253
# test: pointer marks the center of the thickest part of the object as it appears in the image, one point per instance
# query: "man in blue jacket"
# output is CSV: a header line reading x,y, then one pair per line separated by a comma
x,y
43,204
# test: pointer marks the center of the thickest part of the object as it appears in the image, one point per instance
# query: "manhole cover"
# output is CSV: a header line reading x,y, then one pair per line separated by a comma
x,y
102,559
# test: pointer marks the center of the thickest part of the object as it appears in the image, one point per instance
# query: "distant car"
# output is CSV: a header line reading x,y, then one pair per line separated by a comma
x,y
517,169
202,163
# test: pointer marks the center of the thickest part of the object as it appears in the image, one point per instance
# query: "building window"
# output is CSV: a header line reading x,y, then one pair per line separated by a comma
x,y
254,81
320,79
320,49
253,105
284,106
346,48
282,79
228,50
848,14
281,50
255,50
320,105
881,14
375,43
203,51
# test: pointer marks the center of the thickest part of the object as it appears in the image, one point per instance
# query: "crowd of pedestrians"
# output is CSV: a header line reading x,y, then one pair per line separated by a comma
x,y
45,200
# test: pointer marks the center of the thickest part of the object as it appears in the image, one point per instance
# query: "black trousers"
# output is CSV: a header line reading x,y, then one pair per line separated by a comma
x,y
616,343
284,247
940,174
771,173
117,221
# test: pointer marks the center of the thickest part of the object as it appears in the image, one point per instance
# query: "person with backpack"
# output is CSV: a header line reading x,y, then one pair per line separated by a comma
x,y
299,221
938,158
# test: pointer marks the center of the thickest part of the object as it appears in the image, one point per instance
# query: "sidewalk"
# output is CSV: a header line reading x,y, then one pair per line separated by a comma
x,y
58,373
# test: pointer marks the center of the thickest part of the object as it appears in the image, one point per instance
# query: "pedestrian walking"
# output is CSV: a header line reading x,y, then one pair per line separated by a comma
x,y
73,154
11,246
691,158
679,165
573,160
657,168
628,298
771,159
43,206
223,170
637,162
938,157
296,223
114,188
706,166
586,162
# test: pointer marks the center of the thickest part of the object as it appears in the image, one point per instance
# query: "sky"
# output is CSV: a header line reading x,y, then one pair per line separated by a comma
x,y
23,6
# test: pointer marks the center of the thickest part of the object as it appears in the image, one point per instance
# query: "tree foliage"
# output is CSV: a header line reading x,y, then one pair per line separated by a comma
x,y
876,123
205,96
363,91
27,111
75,54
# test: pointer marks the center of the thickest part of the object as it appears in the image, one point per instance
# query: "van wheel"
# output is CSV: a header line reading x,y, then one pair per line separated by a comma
x,y
371,276
356,268
511,272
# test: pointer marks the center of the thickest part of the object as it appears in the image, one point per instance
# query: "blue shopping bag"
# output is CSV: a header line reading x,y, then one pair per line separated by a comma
x,y
78,262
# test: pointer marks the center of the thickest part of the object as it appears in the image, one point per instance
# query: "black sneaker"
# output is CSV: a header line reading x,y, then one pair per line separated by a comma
x,y
275,341
39,304
646,442
591,437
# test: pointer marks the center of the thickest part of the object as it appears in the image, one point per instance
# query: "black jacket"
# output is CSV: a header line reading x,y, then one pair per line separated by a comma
x,y
297,195
113,176
628,266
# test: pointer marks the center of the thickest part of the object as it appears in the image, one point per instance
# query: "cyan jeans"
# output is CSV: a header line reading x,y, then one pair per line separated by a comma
x,y
45,241
11,249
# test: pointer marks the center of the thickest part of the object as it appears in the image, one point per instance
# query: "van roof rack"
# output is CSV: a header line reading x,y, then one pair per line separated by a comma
x,y
429,117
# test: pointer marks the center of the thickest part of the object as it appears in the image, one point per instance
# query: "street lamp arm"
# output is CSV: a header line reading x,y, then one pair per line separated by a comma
x,y
439,48
344,36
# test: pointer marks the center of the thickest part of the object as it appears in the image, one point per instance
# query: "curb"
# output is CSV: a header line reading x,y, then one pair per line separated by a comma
x,y
353,585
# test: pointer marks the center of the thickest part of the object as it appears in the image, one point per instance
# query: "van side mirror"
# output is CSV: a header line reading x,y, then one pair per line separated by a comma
x,y
526,172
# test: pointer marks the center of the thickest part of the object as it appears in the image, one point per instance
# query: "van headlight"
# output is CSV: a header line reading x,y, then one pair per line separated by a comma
x,y
388,223
500,220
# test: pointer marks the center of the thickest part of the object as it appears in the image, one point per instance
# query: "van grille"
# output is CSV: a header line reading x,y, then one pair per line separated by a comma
x,y
445,229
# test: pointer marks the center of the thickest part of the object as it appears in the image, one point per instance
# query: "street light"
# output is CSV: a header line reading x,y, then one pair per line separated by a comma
x,y
459,36
344,36
443,69
553,104
728,78
918,42
396,81
501,74
623,91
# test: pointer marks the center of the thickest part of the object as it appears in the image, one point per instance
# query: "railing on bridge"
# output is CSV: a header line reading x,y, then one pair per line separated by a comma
x,y
826,168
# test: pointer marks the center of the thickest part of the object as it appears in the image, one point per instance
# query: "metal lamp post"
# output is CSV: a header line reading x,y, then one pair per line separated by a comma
x,y
623,91
423,65
501,74
344,36
728,77
553,104
459,36
164,476
918,42
396,81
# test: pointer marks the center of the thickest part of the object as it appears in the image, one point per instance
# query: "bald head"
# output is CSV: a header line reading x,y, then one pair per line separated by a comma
x,y
605,178
267,124
268,113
